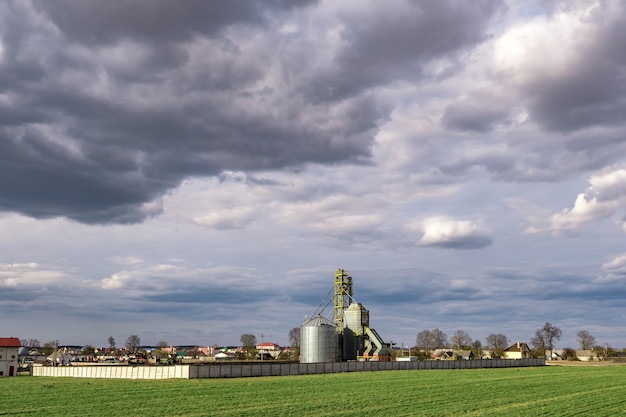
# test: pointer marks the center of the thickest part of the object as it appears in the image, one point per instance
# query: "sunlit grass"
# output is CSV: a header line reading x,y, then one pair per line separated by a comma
x,y
549,390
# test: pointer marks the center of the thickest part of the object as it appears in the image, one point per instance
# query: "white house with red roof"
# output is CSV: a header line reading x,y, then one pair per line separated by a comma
x,y
9,349
268,350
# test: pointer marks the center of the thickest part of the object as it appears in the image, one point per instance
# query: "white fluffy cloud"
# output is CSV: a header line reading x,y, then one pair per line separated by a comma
x,y
605,196
224,219
615,271
29,275
617,263
449,233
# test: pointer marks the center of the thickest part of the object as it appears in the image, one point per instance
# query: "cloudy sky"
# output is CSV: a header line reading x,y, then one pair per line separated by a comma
x,y
192,171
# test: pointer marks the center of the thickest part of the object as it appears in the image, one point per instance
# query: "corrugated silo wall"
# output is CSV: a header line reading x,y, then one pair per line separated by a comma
x,y
319,344
242,369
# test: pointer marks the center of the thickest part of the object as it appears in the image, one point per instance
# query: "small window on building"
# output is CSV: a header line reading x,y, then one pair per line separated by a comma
x,y
12,356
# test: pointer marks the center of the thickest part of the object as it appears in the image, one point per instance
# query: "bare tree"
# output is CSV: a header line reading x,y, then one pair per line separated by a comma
x,y
133,342
441,339
477,347
30,343
497,342
294,337
50,347
460,339
586,340
428,340
111,343
425,341
545,337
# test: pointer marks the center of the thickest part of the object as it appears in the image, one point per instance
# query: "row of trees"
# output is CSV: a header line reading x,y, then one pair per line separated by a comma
x,y
543,341
426,341
132,345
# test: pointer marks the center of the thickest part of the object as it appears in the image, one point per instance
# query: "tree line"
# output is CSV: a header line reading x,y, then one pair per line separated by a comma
x,y
132,345
543,342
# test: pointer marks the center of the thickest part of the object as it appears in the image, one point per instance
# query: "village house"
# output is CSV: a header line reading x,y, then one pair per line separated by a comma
x,y
223,356
452,355
586,355
485,354
268,350
9,355
192,356
464,354
441,354
518,351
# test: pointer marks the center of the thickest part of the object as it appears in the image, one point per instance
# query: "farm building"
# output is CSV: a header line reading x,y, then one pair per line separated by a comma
x,y
268,350
464,354
517,351
9,353
348,337
586,355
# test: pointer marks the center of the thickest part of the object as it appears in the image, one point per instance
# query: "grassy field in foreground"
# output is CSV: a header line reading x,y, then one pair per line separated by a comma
x,y
549,390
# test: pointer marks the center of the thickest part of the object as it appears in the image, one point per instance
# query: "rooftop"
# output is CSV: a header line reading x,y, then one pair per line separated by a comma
x,y
10,342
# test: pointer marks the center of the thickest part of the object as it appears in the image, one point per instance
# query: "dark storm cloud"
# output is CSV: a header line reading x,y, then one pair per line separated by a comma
x,y
478,115
108,105
591,91
576,96
100,22
397,41
464,242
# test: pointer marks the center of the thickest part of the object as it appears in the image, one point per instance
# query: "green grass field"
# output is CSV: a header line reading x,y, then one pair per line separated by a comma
x,y
549,391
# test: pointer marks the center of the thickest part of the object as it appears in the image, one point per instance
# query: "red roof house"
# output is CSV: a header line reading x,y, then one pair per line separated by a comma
x,y
9,348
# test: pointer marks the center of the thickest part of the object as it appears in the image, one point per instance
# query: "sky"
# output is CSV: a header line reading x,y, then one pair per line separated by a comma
x,y
193,171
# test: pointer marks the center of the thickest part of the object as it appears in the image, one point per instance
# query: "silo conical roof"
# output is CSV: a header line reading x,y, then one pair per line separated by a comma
x,y
318,321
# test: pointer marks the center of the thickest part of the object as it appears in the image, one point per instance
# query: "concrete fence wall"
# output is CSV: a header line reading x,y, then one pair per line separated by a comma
x,y
242,369
115,371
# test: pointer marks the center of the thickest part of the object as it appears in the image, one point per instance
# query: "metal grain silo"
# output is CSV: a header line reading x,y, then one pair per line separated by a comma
x,y
319,341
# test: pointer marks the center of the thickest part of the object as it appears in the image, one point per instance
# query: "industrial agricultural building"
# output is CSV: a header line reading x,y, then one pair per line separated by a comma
x,y
348,337
345,343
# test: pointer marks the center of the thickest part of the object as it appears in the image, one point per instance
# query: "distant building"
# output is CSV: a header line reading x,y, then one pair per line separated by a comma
x,y
517,351
586,355
464,354
268,350
268,346
9,354
223,356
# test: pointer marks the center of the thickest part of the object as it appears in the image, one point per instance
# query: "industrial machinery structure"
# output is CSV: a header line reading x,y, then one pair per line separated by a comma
x,y
348,336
